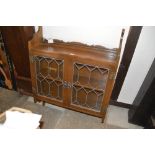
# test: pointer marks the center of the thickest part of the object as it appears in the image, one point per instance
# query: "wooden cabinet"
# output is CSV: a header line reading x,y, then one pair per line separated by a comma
x,y
73,75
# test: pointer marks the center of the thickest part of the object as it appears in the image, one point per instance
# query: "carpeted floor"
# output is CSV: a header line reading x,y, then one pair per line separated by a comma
x,y
10,99
59,118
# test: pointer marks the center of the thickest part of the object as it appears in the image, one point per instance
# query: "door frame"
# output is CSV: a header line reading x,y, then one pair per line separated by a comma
x,y
143,104
128,53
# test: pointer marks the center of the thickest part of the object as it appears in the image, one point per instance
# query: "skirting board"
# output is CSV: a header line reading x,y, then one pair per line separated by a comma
x,y
120,104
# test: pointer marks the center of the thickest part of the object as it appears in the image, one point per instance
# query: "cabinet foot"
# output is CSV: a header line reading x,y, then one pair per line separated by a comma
x,y
35,101
103,118
43,103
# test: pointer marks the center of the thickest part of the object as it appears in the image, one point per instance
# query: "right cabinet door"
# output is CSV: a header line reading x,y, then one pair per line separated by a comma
x,y
88,86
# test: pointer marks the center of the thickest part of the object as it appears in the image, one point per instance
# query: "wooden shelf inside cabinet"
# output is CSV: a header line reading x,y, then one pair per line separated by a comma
x,y
73,75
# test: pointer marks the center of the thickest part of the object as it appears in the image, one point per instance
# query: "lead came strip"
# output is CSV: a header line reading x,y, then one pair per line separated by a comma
x,y
44,78
87,91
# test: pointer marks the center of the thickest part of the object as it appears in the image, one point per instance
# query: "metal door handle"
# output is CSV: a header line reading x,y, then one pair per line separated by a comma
x,y
67,84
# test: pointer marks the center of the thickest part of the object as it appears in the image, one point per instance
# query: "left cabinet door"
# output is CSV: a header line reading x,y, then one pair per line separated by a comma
x,y
47,79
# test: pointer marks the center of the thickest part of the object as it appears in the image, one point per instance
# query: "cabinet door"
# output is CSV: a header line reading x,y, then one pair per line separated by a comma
x,y
49,75
88,88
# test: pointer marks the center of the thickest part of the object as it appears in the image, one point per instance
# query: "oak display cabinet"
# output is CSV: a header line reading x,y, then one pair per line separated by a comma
x,y
73,75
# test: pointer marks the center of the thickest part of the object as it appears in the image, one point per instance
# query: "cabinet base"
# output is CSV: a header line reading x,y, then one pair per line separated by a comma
x,y
102,116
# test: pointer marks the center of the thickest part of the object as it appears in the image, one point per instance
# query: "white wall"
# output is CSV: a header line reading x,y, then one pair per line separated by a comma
x,y
106,36
140,64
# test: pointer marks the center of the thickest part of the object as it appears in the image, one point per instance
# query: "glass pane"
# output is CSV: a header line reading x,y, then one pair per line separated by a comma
x,y
87,98
59,96
89,83
90,76
76,74
45,87
98,78
49,77
43,67
56,90
53,69
84,76
61,71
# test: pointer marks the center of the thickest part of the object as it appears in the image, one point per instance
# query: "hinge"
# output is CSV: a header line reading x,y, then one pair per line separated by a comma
x,y
112,76
31,58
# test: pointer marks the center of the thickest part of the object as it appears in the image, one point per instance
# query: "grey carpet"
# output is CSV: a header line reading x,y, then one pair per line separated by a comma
x,y
10,99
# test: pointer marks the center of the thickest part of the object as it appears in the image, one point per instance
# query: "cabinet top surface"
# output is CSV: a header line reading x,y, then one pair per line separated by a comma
x,y
98,55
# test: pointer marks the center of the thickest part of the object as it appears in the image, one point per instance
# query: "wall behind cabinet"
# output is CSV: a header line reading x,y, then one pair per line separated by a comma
x,y
107,36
